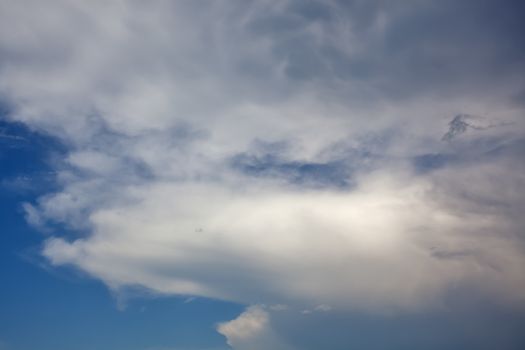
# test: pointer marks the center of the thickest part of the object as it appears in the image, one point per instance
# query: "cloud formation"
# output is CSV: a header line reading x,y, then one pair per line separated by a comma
x,y
287,246
251,330
279,151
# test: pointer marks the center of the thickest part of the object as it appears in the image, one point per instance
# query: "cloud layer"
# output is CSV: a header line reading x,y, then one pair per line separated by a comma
x,y
359,155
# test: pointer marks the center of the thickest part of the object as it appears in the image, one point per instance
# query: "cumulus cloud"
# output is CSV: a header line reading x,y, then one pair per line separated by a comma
x,y
287,246
279,152
251,330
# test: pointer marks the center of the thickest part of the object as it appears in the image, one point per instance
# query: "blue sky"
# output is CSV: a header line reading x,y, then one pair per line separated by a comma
x,y
267,174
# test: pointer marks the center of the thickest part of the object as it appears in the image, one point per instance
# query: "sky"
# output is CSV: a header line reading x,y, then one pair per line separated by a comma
x,y
262,174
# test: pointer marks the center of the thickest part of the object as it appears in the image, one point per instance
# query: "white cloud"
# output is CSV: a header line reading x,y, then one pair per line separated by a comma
x,y
323,308
154,100
94,161
348,249
251,330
